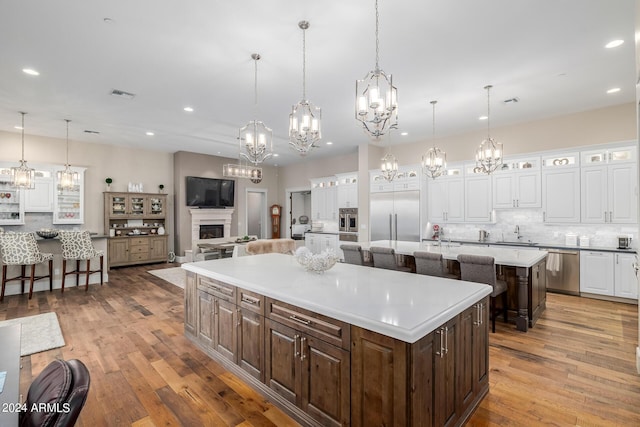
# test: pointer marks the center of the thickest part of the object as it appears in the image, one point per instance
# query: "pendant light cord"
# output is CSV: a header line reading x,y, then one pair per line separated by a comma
x,y
433,127
304,64
377,39
23,113
488,88
67,120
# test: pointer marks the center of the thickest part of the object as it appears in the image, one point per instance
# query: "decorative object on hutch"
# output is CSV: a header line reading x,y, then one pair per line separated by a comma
x,y
139,223
389,164
434,161
305,118
108,181
23,176
489,154
67,178
255,135
161,188
377,98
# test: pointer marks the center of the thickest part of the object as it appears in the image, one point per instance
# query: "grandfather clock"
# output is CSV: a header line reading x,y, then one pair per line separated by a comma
x,y
275,221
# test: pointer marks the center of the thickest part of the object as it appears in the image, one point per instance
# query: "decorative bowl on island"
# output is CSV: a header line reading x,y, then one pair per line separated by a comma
x,y
318,263
47,233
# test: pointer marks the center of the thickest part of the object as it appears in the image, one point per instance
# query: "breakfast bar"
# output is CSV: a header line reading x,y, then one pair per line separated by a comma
x,y
529,266
352,346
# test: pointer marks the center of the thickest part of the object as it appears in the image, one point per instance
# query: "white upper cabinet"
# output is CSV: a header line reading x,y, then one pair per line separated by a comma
x,y
561,188
477,191
407,178
609,186
518,184
68,203
324,199
11,199
40,198
445,196
347,190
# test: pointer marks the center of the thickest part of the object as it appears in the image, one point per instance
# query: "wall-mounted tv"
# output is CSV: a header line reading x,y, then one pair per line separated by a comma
x,y
210,192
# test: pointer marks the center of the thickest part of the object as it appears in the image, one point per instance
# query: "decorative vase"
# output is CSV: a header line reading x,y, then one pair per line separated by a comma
x,y
161,230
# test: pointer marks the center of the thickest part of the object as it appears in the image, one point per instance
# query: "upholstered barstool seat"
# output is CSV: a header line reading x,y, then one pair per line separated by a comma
x,y
77,246
267,246
21,249
482,269
431,264
386,258
353,255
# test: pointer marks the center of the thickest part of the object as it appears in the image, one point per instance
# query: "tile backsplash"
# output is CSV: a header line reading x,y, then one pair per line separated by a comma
x,y
532,227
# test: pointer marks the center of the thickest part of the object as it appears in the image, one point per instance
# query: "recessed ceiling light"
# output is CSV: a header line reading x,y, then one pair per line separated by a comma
x,y
483,118
329,143
614,43
276,155
30,71
404,133
18,127
149,133
188,109
614,90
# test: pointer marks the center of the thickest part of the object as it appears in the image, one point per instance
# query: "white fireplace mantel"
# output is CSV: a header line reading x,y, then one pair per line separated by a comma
x,y
209,217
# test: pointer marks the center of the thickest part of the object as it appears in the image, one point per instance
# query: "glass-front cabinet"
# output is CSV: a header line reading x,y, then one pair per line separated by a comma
x,y
68,204
156,207
11,201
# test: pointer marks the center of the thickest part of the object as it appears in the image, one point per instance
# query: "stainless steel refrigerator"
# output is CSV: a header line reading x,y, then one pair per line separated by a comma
x,y
395,215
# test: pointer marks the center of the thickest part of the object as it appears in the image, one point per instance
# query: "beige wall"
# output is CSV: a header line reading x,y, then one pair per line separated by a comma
x,y
599,126
202,165
123,165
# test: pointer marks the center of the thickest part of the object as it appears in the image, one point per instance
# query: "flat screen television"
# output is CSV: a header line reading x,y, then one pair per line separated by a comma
x,y
210,192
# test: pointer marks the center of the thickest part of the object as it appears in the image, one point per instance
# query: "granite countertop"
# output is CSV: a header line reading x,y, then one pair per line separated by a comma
x,y
405,306
541,245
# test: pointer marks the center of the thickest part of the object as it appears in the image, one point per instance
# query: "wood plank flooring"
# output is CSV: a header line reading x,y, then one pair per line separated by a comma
x,y
575,367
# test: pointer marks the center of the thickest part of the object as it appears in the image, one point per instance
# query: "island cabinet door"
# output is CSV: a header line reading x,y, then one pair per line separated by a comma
x,y
205,318
251,342
325,381
190,296
225,333
445,400
378,380
282,368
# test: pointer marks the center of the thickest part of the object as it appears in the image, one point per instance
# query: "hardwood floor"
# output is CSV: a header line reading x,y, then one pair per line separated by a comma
x,y
575,367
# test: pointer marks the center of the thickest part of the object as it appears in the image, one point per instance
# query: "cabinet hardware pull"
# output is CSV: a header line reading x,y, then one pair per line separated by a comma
x,y
481,314
299,320
302,341
215,307
295,345
238,317
446,340
249,300
477,321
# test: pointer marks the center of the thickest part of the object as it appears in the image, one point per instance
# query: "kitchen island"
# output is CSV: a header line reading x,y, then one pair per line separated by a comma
x,y
353,346
529,265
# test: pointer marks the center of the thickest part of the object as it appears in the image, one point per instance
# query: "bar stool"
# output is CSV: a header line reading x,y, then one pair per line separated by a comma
x,y
353,255
431,264
77,245
386,258
482,269
22,249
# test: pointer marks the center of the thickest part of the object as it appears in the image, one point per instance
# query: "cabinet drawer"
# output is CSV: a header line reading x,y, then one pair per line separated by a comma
x,y
221,290
251,301
139,249
139,241
143,256
329,330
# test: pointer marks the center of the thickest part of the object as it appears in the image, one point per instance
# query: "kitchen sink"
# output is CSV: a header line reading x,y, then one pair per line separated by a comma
x,y
515,243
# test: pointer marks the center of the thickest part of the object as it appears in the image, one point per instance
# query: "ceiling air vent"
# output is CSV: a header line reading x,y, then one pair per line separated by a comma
x,y
92,132
122,94
513,100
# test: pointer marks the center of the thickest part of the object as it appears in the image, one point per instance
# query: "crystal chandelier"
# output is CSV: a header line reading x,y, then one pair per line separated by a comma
x,y
389,165
434,161
489,153
304,120
241,170
23,176
377,98
255,135
67,178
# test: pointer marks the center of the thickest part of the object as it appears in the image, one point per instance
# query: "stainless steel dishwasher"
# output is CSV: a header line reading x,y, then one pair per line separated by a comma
x,y
563,271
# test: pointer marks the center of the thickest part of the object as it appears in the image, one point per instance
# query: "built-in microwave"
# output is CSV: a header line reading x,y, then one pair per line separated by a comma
x,y
348,220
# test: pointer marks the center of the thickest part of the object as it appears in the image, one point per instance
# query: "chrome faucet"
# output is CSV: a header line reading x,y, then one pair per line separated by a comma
x,y
517,232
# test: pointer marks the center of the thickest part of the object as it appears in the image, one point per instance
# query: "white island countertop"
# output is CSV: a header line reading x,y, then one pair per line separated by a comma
x,y
405,306
513,257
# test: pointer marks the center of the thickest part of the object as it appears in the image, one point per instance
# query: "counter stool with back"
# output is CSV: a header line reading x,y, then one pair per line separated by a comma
x,y
77,245
22,249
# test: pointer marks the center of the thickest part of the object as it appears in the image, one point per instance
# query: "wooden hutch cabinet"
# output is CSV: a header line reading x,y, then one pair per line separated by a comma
x,y
135,224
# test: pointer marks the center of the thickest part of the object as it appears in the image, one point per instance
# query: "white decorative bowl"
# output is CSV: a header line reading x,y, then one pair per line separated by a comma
x,y
316,263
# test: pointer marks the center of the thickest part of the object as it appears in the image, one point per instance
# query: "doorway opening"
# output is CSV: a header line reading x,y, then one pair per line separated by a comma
x,y
256,218
298,217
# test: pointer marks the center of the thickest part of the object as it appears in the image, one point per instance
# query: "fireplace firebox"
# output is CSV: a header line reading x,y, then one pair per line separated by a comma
x,y
213,231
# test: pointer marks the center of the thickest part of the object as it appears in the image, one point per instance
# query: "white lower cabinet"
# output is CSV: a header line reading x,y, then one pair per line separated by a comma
x,y
608,273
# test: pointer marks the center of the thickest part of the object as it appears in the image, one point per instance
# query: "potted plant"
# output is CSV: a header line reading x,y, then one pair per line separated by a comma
x,y
108,181
161,187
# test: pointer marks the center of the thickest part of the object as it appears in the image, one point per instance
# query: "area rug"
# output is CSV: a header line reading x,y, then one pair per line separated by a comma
x,y
39,333
174,275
